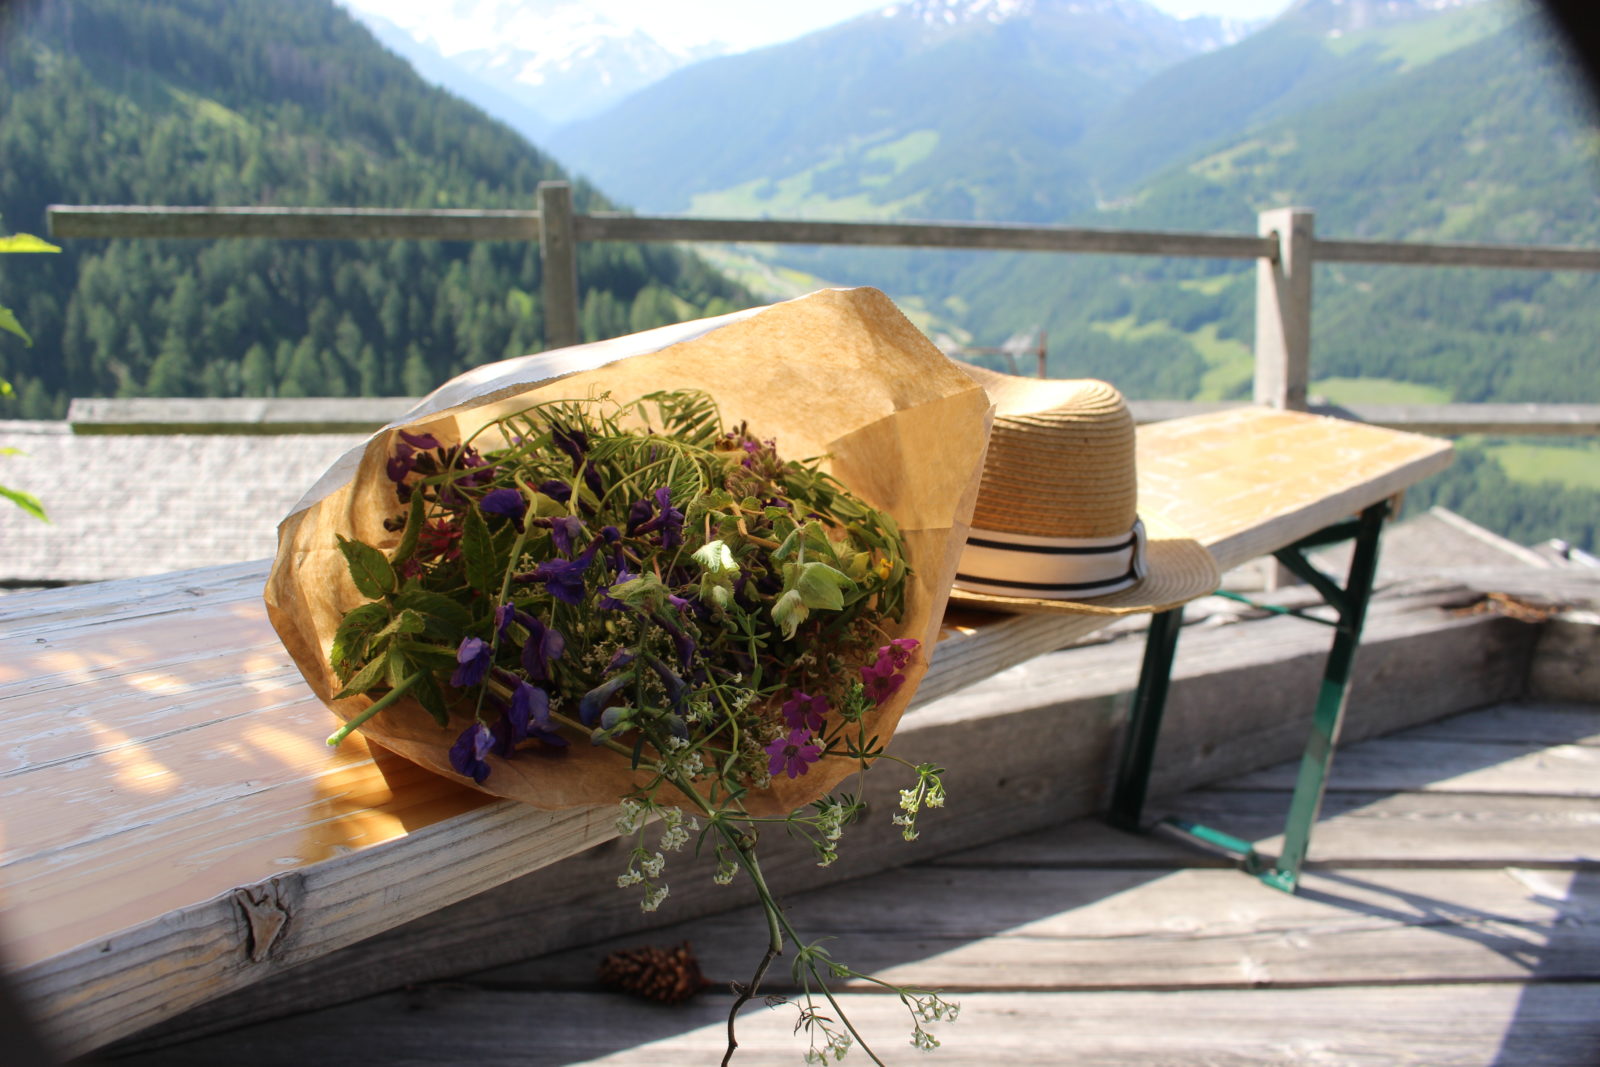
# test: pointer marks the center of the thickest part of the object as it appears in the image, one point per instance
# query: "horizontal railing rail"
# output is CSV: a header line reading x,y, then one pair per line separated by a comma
x,y
1284,248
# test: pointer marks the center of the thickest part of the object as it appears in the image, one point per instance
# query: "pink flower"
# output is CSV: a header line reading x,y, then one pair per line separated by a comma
x,y
793,755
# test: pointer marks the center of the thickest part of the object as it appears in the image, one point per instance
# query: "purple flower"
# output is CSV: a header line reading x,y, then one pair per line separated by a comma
x,y
643,518
565,531
639,513
402,463
596,699
792,755
502,619
881,680
420,441
805,712
564,577
507,502
899,651
467,754
680,640
530,707
474,657
544,644
556,490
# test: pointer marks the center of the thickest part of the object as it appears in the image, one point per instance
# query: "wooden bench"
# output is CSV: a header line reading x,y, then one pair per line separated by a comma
x,y
175,828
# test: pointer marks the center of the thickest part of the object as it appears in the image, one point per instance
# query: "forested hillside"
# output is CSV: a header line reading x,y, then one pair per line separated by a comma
x,y
286,102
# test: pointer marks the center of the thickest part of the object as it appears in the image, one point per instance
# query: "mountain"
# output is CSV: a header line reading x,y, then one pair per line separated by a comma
x,y
1458,136
272,102
534,64
933,108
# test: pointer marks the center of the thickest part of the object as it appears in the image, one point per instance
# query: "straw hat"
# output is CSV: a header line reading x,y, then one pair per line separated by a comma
x,y
1057,526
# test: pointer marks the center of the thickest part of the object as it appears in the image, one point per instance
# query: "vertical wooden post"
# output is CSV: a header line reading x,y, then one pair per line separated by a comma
x,y
1283,310
558,255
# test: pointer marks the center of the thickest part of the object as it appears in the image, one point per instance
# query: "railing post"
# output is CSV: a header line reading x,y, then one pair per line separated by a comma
x,y
558,255
1283,310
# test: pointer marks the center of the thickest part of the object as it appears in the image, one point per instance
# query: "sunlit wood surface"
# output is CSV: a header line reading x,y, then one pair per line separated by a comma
x,y
1446,920
174,827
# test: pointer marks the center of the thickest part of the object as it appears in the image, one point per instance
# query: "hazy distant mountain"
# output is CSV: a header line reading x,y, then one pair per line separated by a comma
x,y
534,64
1313,53
935,108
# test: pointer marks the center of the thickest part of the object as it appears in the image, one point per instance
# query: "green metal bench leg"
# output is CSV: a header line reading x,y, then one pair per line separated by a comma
x,y
1332,699
1144,723
1144,720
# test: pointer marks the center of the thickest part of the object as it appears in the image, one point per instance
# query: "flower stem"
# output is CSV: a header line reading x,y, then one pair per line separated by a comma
x,y
747,858
372,709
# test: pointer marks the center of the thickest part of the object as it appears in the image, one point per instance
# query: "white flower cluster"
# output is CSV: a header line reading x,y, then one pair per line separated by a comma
x,y
836,1043
928,792
726,869
678,829
679,761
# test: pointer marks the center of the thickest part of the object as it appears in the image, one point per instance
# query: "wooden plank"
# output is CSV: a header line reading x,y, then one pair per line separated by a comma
x,y
1418,253
918,234
1356,830
1392,764
1188,929
1450,420
293,223
1566,661
1067,706
1435,1026
248,415
1247,481
363,414
1532,723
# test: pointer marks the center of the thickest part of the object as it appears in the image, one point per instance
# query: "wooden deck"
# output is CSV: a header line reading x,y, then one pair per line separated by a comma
x,y
1450,916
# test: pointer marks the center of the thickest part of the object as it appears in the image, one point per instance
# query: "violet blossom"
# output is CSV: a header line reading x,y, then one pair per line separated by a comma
x,y
468,754
792,754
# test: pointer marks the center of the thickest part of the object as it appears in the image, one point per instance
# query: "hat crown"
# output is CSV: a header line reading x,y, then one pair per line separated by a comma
x,y
1060,461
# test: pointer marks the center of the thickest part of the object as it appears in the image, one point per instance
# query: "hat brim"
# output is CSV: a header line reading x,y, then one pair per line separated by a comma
x,y
1179,569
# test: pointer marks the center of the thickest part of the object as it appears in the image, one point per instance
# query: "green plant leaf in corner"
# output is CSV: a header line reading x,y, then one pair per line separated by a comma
x,y
369,568
26,501
26,242
8,321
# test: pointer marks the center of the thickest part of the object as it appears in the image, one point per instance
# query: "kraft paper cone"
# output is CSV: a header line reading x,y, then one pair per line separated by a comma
x,y
839,373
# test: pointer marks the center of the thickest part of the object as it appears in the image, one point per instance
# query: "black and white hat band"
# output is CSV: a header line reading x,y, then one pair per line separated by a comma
x,y
1064,568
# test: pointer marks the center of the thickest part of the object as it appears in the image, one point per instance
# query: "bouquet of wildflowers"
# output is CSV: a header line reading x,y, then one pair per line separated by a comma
x,y
576,599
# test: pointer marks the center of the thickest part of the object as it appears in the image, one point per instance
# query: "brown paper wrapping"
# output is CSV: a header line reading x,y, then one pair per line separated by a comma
x,y
839,373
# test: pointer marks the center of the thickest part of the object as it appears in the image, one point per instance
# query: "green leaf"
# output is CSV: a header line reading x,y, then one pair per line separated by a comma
x,y
407,622
8,321
442,617
369,568
477,552
819,586
25,242
26,501
367,677
354,637
396,666
426,690
415,519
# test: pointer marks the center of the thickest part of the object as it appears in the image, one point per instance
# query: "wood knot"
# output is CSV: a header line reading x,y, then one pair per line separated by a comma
x,y
267,908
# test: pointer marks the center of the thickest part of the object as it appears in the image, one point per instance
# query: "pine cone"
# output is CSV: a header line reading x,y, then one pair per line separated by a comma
x,y
668,975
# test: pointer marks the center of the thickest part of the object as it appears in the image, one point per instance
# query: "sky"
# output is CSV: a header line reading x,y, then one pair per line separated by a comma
x,y
751,23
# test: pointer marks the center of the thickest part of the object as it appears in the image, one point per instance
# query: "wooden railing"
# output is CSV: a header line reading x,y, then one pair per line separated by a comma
x,y
1285,248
